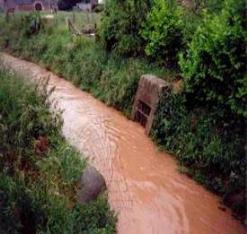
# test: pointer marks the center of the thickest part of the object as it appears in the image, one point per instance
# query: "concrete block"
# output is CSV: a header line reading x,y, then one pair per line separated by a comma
x,y
148,94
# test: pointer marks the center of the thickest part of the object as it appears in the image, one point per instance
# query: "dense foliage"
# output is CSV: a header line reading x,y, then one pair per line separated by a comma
x,y
163,32
214,66
156,28
121,23
39,170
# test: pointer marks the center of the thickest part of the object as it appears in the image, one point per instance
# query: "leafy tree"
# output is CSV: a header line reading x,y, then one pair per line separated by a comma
x,y
121,24
214,66
163,31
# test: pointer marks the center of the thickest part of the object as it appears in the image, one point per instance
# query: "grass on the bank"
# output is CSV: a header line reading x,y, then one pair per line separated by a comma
x,y
39,171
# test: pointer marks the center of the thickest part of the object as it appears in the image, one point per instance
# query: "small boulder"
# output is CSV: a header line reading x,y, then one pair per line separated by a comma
x,y
91,184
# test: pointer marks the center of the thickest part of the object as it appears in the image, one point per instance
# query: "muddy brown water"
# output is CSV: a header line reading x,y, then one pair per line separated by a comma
x,y
144,185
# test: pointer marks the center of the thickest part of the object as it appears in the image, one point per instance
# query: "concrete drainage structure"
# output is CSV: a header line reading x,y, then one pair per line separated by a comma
x,y
149,92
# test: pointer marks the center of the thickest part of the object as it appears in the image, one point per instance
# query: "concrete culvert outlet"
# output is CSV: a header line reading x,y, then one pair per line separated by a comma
x,y
149,92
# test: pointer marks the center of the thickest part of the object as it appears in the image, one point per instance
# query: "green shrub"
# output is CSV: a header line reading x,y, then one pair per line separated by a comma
x,y
214,66
121,22
25,24
163,32
191,21
31,24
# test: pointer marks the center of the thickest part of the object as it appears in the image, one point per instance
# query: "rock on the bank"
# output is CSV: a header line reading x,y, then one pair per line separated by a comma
x,y
91,184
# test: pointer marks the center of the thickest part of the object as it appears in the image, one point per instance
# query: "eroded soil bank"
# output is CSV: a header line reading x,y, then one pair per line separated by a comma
x,y
144,186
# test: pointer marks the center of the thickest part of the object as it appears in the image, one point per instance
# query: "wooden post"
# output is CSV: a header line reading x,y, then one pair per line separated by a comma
x,y
73,17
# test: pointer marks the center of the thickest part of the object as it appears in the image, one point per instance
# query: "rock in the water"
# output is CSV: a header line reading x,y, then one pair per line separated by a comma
x,y
92,183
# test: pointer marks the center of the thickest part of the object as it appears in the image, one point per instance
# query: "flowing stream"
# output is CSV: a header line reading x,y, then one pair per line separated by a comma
x,y
144,185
